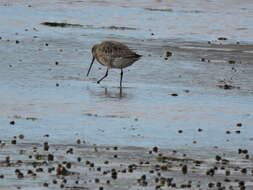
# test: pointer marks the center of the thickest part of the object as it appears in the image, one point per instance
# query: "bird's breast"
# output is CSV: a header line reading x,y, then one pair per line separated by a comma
x,y
104,61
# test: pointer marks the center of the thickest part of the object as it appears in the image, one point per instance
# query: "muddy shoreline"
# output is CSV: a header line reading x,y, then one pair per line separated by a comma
x,y
84,166
183,122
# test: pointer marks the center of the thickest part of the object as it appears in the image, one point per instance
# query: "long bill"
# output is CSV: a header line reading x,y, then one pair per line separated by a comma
x,y
93,59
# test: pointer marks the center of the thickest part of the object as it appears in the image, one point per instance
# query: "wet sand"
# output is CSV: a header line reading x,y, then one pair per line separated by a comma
x,y
196,102
84,166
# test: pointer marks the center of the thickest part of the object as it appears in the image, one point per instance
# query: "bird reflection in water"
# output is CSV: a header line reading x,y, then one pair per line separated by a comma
x,y
109,92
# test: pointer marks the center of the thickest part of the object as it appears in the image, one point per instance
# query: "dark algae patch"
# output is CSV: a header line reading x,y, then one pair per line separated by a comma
x,y
60,24
118,28
162,10
64,25
231,62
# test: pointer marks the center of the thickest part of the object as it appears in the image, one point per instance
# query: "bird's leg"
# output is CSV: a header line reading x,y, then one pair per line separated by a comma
x,y
121,76
106,74
120,92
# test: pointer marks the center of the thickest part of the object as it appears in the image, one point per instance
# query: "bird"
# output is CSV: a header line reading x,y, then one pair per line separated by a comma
x,y
113,55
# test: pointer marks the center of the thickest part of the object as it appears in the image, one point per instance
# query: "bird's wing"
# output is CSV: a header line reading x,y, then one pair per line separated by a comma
x,y
117,50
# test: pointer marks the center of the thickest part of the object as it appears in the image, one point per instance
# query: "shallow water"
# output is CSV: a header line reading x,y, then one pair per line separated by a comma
x,y
146,114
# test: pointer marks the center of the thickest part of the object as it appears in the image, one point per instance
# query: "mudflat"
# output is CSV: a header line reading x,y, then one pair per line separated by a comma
x,y
184,118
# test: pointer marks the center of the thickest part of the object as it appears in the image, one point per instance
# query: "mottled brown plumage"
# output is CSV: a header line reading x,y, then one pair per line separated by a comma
x,y
113,54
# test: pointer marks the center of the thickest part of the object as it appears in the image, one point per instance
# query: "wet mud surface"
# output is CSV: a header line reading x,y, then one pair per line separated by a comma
x,y
43,165
190,93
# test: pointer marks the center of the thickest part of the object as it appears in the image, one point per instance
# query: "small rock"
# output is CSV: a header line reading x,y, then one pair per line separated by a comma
x,y
114,174
168,54
50,157
227,173
78,141
115,148
46,146
222,38
155,149
68,165
218,158
231,62
244,170
21,136
210,185
79,159
184,169
12,122
238,124
199,129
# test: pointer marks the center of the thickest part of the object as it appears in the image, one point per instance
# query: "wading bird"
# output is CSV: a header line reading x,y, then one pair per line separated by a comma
x,y
113,54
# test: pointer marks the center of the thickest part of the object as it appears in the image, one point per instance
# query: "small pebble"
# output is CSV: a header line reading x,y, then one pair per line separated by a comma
x,y
50,157
168,54
21,136
244,170
238,124
46,146
222,38
12,122
184,169
114,174
155,149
